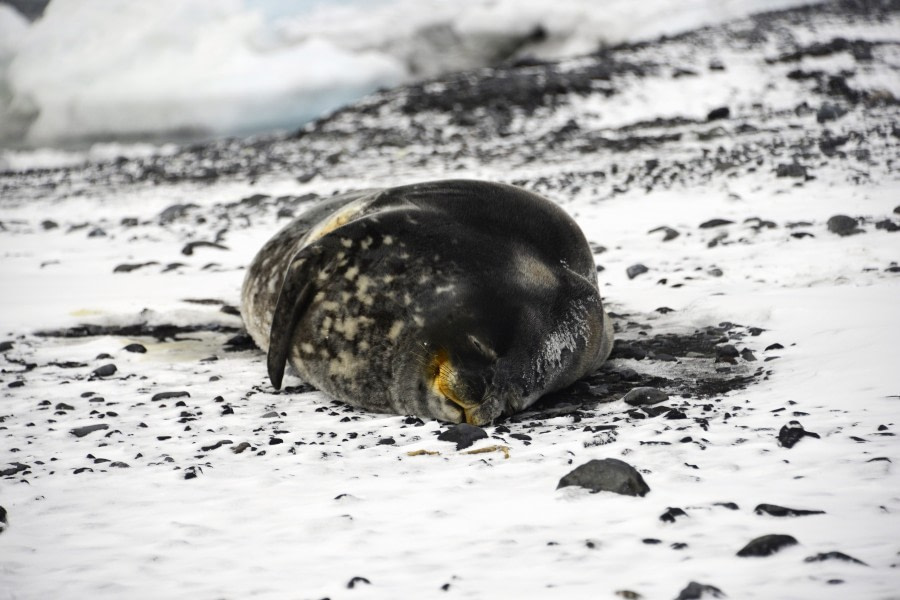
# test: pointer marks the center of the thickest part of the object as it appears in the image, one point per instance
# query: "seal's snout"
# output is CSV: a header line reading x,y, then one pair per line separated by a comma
x,y
486,412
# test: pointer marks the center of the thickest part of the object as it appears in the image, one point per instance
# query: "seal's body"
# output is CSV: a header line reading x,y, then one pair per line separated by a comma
x,y
454,300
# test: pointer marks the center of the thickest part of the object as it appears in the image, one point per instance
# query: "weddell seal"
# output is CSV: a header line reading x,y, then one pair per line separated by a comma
x,y
453,300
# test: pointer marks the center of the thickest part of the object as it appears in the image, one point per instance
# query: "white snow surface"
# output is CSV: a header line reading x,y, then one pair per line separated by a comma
x,y
185,69
303,518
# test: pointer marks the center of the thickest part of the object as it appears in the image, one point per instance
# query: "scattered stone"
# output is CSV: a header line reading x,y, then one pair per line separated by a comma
x,y
463,434
218,444
357,580
830,112
192,472
104,371
728,505
669,233
4,346
722,112
129,267
47,225
843,225
782,511
767,545
642,396
823,556
793,432
83,431
388,441
671,514
727,354
188,249
169,395
137,348
16,467
791,170
715,223
64,406
699,591
635,270
887,225
116,464
607,475
747,355
775,346
240,447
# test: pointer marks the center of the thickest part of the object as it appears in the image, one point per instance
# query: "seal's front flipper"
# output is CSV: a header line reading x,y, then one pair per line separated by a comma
x,y
300,285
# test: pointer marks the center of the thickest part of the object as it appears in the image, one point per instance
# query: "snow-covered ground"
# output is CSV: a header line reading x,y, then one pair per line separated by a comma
x,y
320,494
195,69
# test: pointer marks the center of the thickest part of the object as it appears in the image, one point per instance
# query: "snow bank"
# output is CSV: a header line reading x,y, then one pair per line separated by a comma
x,y
188,69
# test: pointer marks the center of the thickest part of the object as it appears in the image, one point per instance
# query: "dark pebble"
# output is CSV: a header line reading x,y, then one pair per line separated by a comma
x,y
723,112
887,225
192,472
697,591
767,545
139,348
4,346
782,511
641,396
48,225
823,556
463,434
104,371
275,441
16,384
843,225
728,505
188,249
670,234
64,406
802,234
775,346
119,465
830,112
727,354
352,583
13,469
388,441
715,223
671,514
83,431
635,270
793,432
675,414
218,444
169,395
607,475
747,355
791,170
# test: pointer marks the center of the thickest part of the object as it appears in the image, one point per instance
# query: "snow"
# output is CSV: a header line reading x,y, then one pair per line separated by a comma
x,y
189,69
303,519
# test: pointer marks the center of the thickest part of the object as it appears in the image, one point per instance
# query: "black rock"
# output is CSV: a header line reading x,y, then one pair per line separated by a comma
x,y
767,545
670,234
352,583
728,505
775,346
843,225
192,472
641,396
822,556
388,441
698,591
64,406
748,355
14,468
463,434
887,225
104,371
138,348
188,249
782,511
607,475
722,112
791,170
4,521
715,223
169,395
635,270
727,354
83,431
830,112
48,224
671,514
792,433
4,346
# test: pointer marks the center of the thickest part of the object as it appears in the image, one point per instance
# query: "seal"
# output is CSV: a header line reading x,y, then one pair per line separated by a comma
x,y
455,300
